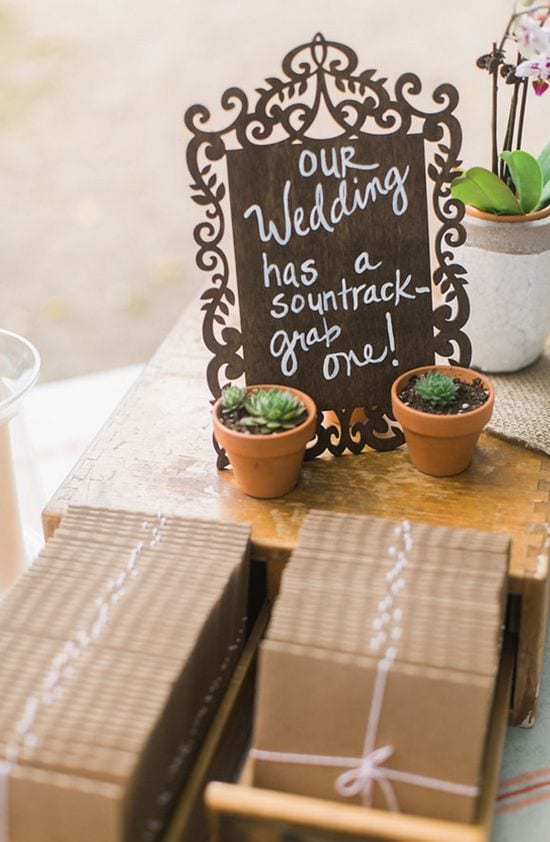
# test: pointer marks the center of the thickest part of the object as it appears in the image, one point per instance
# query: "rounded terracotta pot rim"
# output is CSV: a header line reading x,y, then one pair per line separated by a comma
x,y
307,400
444,369
496,217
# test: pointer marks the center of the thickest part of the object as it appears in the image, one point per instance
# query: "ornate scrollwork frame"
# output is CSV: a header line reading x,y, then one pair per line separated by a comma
x,y
324,74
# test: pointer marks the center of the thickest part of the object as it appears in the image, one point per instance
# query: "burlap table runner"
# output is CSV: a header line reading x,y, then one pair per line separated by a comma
x,y
522,405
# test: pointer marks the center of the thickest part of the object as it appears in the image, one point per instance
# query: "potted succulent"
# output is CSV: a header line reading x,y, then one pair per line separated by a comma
x,y
507,250
264,431
442,410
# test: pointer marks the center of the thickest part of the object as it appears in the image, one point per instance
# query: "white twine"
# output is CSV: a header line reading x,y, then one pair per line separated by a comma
x,y
363,772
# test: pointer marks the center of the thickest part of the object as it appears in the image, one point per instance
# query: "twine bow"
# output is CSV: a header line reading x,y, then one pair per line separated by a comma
x,y
360,779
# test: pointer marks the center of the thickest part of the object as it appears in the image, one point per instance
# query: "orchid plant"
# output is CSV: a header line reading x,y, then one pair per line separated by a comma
x,y
517,183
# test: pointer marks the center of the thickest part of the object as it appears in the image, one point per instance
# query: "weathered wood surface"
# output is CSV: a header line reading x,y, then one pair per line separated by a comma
x,y
155,453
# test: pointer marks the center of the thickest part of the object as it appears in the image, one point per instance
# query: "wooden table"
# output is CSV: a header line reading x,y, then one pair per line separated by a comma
x,y
155,454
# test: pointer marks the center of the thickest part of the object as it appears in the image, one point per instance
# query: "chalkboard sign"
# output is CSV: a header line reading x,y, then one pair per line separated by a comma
x,y
333,270
330,236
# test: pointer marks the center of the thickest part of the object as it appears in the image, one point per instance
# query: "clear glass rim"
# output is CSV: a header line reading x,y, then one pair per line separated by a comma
x,y
34,370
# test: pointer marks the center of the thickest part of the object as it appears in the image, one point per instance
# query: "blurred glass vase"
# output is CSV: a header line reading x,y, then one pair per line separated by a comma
x,y
19,369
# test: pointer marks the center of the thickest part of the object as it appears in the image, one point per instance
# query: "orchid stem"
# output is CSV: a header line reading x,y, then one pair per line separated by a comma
x,y
510,130
524,91
494,153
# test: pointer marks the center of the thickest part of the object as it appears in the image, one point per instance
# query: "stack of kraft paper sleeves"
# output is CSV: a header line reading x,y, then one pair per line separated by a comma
x,y
116,645
378,672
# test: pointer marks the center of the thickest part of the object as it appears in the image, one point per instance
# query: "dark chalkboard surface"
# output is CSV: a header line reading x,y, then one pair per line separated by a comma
x,y
332,291
331,248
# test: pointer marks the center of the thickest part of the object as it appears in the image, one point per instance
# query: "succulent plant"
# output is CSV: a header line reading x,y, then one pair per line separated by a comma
x,y
273,410
436,388
232,399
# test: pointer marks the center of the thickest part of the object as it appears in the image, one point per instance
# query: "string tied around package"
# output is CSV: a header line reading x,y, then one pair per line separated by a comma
x,y
360,779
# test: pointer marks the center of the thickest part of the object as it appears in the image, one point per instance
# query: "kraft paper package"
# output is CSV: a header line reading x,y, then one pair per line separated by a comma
x,y
377,676
312,732
116,648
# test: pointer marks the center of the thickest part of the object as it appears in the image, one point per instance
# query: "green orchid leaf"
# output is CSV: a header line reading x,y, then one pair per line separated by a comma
x,y
544,197
467,191
482,189
544,163
527,177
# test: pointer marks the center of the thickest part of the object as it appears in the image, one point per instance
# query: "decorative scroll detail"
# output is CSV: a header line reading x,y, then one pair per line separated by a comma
x,y
323,76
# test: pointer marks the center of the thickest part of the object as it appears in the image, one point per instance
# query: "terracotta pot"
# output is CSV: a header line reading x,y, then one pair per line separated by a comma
x,y
267,465
507,260
511,217
441,445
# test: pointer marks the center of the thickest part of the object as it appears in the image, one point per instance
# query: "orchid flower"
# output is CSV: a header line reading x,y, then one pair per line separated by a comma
x,y
533,40
540,69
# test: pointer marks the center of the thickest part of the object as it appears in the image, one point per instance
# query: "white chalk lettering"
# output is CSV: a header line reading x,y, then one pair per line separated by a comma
x,y
309,273
345,361
347,298
284,347
266,234
289,275
363,264
279,307
327,215
331,162
336,361
307,163
317,302
391,338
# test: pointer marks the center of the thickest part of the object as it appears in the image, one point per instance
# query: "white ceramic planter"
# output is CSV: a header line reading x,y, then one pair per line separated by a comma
x,y
508,272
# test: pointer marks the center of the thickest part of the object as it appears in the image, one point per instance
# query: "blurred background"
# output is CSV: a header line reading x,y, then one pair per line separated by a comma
x,y
96,247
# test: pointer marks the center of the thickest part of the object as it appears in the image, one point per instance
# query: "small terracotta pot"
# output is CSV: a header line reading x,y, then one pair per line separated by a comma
x,y
267,465
441,445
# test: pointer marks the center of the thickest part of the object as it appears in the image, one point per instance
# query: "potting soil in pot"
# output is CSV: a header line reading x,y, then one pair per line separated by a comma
x,y
468,397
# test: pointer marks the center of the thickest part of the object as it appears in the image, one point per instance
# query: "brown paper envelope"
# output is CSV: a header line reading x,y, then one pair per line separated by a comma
x,y
315,703
90,810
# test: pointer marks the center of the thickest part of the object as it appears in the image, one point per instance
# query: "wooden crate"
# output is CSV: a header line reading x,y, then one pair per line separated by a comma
x,y
242,813
223,750
239,812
